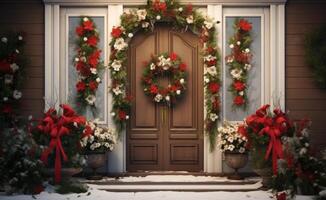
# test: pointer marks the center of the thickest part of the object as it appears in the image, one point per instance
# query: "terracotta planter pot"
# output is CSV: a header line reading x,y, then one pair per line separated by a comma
x,y
236,161
96,161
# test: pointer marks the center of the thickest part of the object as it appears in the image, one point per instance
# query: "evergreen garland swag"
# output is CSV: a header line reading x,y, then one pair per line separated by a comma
x,y
182,18
315,44
88,64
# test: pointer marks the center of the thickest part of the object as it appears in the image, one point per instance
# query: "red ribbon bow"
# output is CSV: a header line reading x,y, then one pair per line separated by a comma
x,y
56,127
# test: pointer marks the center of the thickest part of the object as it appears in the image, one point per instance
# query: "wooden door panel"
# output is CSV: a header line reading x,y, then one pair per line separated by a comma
x,y
162,137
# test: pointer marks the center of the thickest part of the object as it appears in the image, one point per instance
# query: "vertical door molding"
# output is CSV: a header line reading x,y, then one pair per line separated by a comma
x,y
213,160
52,49
277,55
118,155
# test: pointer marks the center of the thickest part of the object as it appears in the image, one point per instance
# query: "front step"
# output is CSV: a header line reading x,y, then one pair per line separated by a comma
x,y
172,183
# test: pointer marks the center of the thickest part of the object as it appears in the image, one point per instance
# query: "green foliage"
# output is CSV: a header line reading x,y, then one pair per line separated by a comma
x,y
68,186
315,44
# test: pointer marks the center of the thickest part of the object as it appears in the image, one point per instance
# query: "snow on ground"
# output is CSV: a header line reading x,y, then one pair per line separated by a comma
x,y
96,194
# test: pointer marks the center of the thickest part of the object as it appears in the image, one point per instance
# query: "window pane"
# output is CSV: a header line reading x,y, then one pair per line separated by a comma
x,y
73,76
254,76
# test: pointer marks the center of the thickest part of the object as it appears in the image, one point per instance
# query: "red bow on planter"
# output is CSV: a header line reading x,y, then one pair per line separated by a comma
x,y
57,126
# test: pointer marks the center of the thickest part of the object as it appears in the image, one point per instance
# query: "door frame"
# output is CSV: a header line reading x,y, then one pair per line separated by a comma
x,y
214,8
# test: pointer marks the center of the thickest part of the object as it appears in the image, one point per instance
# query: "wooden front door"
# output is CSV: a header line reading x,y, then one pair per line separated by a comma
x,y
162,138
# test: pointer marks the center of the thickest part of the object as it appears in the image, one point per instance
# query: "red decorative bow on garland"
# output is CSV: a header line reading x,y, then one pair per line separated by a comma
x,y
57,126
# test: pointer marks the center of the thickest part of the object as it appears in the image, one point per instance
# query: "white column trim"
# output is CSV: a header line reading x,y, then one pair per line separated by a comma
x,y
48,55
273,54
281,54
213,160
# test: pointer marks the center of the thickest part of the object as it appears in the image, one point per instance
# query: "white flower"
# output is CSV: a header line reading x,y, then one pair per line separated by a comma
x,y
242,150
236,73
85,19
98,80
210,58
5,98
120,44
141,14
116,65
306,144
206,80
93,70
83,59
158,98
178,92
117,91
180,9
17,94
182,81
130,35
152,66
158,17
76,59
17,51
167,98
30,117
209,24
14,67
144,24
20,37
190,19
247,50
230,139
91,99
241,93
127,116
112,114
303,151
4,40
212,70
247,67
85,39
213,117
231,147
231,46
165,62
238,43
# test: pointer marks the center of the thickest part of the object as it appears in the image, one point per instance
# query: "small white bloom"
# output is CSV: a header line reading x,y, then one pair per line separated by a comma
x,y
112,114
238,43
130,35
141,14
306,144
158,17
93,70
20,37
247,50
182,81
178,92
208,24
98,80
85,39
206,80
116,65
231,46
167,98
212,70
190,19
241,93
117,91
5,98
210,58
17,94
242,150
152,66
83,58
4,40
85,19
14,67
30,117
158,98
76,59
213,116
144,24
75,124
180,9
17,51
303,151
236,73
127,116
247,67
91,99
120,44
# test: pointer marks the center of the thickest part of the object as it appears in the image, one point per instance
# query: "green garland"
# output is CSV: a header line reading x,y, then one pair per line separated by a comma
x,y
315,44
183,18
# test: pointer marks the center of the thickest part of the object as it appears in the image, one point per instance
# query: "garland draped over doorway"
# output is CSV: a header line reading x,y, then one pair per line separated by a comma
x,y
182,18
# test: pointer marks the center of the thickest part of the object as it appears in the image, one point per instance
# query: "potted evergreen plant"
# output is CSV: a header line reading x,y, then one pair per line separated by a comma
x,y
233,144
